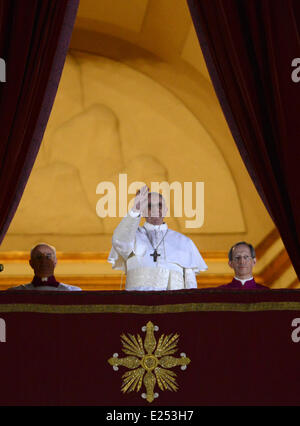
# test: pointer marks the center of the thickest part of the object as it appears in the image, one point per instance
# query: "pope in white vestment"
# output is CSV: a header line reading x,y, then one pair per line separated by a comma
x,y
153,256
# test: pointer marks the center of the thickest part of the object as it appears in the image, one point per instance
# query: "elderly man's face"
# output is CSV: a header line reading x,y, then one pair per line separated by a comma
x,y
242,262
157,209
43,261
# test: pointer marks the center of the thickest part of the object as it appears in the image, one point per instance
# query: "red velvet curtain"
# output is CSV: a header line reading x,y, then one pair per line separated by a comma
x,y
249,47
34,39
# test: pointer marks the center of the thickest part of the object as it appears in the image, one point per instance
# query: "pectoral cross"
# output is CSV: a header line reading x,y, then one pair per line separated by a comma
x,y
155,255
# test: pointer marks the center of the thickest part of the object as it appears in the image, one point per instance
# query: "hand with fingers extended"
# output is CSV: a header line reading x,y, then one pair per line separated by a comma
x,y
141,199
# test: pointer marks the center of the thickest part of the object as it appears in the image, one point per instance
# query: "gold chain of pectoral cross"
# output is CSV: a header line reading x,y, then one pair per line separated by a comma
x,y
155,254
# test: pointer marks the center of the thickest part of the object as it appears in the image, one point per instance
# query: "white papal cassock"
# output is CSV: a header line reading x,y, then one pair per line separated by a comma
x,y
178,261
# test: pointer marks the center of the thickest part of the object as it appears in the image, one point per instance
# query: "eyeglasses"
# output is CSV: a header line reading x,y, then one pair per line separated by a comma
x,y
239,258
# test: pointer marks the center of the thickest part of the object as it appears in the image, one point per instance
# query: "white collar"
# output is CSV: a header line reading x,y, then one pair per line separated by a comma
x,y
149,227
243,281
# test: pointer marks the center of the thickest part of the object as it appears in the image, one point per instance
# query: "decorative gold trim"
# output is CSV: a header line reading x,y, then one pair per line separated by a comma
x,y
150,309
149,362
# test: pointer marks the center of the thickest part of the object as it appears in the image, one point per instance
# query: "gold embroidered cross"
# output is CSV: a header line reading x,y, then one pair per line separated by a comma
x,y
149,362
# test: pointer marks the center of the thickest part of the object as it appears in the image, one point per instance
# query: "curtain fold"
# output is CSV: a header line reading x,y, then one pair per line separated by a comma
x,y
249,47
34,40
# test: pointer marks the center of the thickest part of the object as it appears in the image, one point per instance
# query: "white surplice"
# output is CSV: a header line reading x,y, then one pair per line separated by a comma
x,y
178,261
60,287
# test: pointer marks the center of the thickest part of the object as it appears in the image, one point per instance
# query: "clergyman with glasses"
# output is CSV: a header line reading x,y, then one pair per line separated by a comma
x,y
242,259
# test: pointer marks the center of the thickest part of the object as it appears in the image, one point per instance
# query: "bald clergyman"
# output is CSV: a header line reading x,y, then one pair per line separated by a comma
x,y
43,261
153,256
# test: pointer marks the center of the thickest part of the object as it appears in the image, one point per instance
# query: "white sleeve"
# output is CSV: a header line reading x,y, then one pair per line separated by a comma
x,y
189,278
124,236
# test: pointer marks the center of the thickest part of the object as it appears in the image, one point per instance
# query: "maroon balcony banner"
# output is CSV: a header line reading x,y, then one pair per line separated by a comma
x,y
181,348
